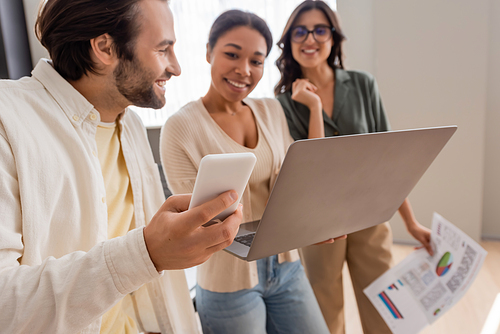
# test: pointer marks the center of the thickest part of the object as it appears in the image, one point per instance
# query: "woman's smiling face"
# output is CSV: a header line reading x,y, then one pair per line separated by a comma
x,y
237,62
310,53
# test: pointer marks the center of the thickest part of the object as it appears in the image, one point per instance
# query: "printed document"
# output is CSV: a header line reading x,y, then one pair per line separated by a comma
x,y
421,288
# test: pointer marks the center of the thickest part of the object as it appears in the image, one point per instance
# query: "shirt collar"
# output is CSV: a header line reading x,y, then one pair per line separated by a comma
x,y
341,76
75,105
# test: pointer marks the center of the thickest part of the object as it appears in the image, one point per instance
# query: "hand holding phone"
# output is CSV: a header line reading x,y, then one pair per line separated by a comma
x,y
219,173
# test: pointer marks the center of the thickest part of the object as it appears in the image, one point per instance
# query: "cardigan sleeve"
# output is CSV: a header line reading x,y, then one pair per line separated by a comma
x,y
178,165
288,138
180,170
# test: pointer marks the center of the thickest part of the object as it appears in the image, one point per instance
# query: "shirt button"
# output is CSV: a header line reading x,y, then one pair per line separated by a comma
x,y
93,117
76,118
336,133
93,152
103,200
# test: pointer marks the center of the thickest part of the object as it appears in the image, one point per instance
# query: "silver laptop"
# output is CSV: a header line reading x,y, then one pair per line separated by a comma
x,y
333,186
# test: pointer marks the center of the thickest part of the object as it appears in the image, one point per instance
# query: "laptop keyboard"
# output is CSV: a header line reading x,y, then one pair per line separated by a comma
x,y
245,239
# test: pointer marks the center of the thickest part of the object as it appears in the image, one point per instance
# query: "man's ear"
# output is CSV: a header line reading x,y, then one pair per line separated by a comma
x,y
209,52
102,47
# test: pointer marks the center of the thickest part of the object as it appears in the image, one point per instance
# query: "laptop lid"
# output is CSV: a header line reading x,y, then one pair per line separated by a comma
x,y
333,186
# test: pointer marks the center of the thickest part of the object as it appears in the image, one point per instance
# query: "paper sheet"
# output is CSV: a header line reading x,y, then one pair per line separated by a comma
x,y
421,288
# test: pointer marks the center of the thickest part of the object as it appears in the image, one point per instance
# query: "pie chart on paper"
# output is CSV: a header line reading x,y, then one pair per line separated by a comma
x,y
444,264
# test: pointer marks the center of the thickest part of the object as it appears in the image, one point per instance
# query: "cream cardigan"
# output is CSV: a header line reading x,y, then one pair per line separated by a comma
x,y
186,138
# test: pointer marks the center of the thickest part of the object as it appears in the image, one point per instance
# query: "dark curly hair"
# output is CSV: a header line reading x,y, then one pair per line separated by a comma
x,y
288,67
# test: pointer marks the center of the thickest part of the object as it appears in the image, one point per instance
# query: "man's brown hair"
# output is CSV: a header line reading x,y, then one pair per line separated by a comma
x,y
65,28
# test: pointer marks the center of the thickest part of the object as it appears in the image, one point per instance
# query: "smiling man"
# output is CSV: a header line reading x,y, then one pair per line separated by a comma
x,y
78,183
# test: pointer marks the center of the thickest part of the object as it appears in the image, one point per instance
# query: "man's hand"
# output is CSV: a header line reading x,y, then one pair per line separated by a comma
x,y
176,239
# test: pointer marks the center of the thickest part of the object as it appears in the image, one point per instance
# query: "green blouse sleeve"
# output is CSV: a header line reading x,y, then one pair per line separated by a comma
x,y
381,120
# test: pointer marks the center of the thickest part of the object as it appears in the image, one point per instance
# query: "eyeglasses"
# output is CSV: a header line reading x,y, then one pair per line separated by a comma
x,y
321,33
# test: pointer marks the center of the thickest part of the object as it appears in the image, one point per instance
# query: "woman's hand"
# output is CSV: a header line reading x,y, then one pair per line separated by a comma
x,y
303,91
331,241
421,234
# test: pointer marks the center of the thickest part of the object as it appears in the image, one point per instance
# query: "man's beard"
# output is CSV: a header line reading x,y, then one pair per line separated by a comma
x,y
135,83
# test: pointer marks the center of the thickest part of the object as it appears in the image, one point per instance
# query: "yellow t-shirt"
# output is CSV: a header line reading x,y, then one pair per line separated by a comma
x,y
120,204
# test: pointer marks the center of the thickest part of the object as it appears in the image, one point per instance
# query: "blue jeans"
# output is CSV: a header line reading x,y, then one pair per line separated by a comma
x,y
282,302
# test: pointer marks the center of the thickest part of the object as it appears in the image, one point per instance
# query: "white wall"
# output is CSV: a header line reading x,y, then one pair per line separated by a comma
x,y
491,213
431,63
31,11
357,22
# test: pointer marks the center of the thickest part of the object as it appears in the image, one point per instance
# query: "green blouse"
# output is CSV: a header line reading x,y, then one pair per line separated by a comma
x,y
357,108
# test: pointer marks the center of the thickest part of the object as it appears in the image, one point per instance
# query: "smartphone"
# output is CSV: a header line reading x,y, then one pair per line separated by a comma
x,y
219,173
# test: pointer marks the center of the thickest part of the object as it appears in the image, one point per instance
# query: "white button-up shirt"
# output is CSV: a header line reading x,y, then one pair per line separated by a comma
x,y
58,271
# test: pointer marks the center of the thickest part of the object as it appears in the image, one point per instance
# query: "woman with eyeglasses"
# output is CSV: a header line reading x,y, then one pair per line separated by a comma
x,y
270,295
320,98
